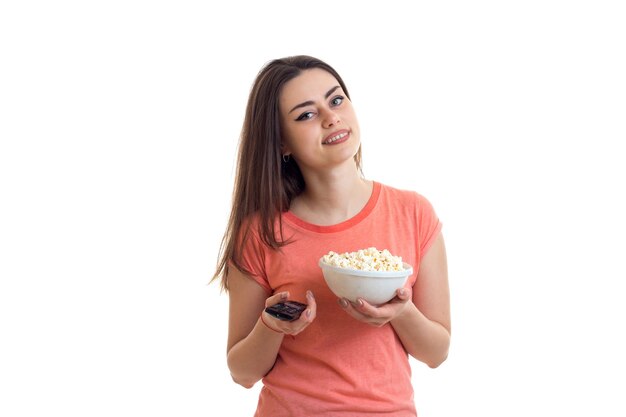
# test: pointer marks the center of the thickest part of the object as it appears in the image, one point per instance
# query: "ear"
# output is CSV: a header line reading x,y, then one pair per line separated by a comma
x,y
284,149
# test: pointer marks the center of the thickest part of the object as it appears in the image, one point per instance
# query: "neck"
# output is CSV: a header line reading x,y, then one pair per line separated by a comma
x,y
332,197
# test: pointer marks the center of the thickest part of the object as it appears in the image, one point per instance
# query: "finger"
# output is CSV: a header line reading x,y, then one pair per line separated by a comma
x,y
404,294
311,311
349,308
276,298
366,308
308,315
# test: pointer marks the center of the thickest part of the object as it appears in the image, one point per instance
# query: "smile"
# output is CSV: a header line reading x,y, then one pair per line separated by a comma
x,y
335,138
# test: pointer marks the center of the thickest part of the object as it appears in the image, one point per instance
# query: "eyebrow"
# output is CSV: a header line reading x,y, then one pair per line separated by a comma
x,y
310,102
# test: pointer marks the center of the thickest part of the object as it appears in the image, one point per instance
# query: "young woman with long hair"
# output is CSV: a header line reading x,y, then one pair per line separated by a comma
x,y
300,192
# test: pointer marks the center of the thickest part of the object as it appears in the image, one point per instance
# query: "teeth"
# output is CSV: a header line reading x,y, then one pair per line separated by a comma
x,y
334,138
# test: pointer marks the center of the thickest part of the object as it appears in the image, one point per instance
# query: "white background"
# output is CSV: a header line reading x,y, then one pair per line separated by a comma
x,y
119,123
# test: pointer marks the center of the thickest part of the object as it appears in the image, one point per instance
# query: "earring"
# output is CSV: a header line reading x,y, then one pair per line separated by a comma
x,y
286,158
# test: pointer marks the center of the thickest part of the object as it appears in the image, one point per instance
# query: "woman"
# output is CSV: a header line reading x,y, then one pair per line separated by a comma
x,y
299,193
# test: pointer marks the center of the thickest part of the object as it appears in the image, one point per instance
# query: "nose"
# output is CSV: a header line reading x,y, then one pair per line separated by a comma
x,y
330,119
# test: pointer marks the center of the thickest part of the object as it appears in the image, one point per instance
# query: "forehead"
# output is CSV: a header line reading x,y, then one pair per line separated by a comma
x,y
311,84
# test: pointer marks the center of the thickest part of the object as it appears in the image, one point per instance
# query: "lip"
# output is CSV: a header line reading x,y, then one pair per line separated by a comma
x,y
338,132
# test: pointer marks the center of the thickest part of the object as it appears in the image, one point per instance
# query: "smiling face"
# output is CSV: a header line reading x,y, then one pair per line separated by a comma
x,y
319,126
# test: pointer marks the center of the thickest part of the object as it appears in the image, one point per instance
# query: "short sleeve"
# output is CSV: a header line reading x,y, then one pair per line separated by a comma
x,y
428,225
253,258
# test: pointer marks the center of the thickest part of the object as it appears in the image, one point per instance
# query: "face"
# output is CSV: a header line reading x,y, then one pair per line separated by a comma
x,y
319,126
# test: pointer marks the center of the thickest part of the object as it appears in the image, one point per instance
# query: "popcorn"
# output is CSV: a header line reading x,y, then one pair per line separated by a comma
x,y
370,259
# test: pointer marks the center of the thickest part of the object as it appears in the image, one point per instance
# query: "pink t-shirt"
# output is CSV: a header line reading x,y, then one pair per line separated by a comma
x,y
339,366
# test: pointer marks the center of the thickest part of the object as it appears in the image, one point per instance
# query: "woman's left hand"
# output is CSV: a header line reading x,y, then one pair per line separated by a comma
x,y
378,315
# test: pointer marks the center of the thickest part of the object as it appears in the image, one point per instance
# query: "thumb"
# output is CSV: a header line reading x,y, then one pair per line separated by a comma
x,y
404,293
276,298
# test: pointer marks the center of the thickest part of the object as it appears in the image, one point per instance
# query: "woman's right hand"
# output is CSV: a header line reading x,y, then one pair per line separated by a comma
x,y
290,327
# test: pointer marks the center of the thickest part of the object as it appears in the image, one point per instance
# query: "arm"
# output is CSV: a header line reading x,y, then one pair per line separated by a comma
x,y
253,346
423,325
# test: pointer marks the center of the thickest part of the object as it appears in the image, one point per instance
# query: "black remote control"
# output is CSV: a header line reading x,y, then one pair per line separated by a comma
x,y
287,310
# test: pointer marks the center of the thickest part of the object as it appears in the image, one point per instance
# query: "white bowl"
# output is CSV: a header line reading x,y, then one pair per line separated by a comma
x,y
373,286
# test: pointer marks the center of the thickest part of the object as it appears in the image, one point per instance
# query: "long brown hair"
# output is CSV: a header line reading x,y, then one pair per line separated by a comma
x,y
265,185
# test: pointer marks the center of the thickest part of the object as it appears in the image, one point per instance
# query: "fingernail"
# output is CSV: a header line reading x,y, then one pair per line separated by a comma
x,y
284,295
307,313
343,303
309,294
403,292
360,302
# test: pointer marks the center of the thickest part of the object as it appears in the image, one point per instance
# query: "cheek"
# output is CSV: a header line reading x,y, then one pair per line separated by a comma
x,y
289,138
297,133
349,117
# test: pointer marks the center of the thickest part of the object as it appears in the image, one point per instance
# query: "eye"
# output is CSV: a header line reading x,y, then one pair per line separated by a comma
x,y
336,101
305,116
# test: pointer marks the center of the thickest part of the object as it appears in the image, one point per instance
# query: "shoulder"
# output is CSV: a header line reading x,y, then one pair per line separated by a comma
x,y
405,196
262,231
249,223
398,201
